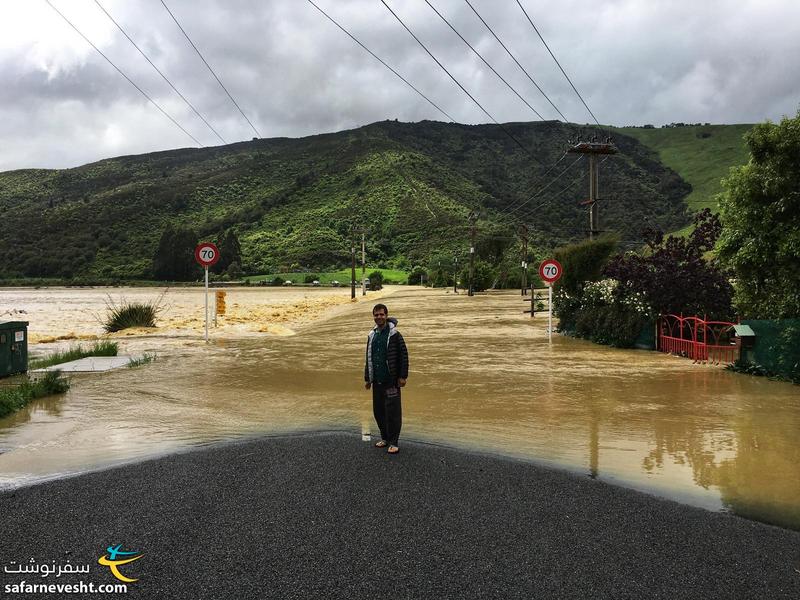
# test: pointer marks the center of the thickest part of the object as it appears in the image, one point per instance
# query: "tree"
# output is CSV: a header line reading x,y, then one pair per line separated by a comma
x,y
440,268
234,270
674,275
230,251
375,280
416,276
583,262
760,210
174,257
483,276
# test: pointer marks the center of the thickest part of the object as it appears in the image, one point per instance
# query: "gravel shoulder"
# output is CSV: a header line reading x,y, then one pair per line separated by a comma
x,y
327,515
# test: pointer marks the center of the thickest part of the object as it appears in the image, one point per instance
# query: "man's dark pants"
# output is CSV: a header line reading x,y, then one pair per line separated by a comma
x,y
387,411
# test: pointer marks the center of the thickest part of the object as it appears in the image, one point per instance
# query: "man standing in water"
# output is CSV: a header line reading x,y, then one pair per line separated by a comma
x,y
386,371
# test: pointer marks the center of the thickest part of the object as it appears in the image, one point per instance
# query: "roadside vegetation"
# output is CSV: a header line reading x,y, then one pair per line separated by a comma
x,y
610,299
15,397
145,359
101,348
129,314
760,243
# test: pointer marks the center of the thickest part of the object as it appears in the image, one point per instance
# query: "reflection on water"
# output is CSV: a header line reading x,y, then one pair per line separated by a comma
x,y
483,376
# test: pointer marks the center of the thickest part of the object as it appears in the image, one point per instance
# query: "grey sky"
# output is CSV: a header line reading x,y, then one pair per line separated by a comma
x,y
294,73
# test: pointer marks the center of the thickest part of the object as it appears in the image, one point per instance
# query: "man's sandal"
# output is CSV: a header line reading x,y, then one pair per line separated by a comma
x,y
393,450
381,444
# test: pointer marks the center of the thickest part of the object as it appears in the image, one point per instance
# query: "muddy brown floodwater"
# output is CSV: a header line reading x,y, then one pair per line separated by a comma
x,y
483,377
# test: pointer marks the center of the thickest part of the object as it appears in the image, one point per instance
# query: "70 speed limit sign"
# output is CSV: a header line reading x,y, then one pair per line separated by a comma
x,y
550,270
207,254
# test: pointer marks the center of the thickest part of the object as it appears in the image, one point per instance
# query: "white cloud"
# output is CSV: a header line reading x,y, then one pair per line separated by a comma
x,y
294,73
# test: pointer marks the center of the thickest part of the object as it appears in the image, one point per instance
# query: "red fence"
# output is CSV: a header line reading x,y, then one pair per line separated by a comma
x,y
702,341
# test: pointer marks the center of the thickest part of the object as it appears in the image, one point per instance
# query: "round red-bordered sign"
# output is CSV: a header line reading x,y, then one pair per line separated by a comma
x,y
206,254
550,270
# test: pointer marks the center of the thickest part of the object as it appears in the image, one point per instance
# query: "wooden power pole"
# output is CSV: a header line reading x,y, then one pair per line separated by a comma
x,y
523,282
593,148
472,218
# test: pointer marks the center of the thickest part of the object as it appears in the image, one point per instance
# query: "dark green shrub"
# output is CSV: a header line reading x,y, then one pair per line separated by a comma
x,y
584,262
416,276
483,277
375,280
131,314
234,271
603,312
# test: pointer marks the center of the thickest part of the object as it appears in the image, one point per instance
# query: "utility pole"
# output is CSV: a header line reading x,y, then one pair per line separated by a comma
x,y
363,263
455,274
472,218
523,285
593,148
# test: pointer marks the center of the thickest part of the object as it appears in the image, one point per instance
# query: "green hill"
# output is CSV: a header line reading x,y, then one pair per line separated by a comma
x,y
701,155
292,201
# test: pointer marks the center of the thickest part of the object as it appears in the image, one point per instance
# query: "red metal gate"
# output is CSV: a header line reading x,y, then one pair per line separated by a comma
x,y
702,341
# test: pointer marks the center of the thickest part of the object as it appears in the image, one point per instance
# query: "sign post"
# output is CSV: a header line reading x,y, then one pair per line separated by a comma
x,y
206,254
550,271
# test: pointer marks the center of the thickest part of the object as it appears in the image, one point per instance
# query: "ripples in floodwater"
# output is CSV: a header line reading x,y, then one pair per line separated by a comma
x,y
483,377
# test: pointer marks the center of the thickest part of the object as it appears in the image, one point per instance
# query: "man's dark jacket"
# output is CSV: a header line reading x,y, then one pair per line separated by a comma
x,y
396,353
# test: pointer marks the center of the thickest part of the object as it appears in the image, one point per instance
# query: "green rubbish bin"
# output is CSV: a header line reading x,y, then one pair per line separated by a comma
x,y
13,347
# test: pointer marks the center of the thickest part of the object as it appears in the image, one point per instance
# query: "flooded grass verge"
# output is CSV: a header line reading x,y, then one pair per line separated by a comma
x,y
146,358
15,397
102,348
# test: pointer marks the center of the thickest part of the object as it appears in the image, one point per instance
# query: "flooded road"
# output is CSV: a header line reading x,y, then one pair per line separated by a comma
x,y
483,377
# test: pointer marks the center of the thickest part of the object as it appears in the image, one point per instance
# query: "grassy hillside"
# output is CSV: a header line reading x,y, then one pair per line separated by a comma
x,y
701,155
292,201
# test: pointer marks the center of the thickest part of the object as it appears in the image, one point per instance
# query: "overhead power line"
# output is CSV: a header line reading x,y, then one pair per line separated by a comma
x,y
515,60
141,91
546,173
478,54
205,62
164,77
436,60
380,60
558,63
542,189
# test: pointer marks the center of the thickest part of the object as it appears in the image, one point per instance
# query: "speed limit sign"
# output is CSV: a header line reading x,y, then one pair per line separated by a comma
x,y
550,270
207,254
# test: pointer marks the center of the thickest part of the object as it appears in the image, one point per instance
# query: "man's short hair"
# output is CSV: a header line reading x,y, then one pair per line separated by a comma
x,y
380,307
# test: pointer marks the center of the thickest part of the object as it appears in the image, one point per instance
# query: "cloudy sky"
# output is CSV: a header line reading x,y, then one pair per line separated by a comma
x,y
294,73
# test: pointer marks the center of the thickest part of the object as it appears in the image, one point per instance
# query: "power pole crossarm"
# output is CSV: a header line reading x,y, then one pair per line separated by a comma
x,y
593,149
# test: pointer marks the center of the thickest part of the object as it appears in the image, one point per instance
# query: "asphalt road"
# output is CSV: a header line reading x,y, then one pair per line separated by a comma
x,y
329,516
